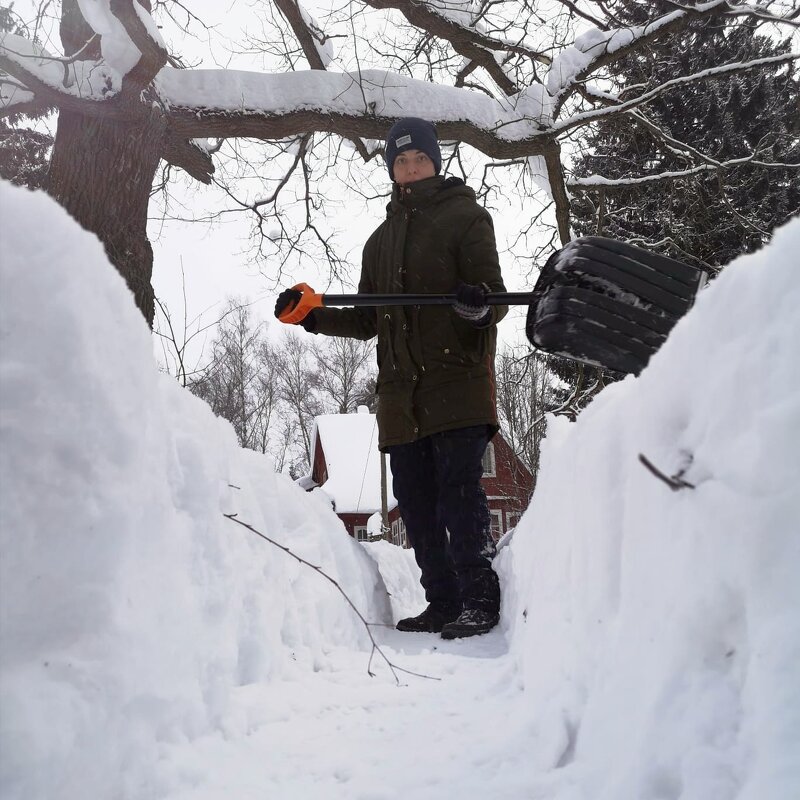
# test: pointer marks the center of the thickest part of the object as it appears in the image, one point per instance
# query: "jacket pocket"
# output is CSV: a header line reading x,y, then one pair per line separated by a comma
x,y
471,339
450,342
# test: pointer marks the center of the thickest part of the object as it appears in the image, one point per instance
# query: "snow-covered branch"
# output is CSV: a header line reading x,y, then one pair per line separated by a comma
x,y
69,84
226,103
144,36
601,47
598,48
15,98
751,10
622,184
588,117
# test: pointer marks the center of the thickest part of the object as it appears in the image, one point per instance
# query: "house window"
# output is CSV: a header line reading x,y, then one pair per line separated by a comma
x,y
399,533
497,524
361,533
489,468
512,518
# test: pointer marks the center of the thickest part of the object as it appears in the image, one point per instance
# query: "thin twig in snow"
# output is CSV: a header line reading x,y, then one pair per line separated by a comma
x,y
375,646
675,482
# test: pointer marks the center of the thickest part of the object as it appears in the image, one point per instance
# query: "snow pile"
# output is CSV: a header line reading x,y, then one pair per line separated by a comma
x,y
401,576
132,610
658,631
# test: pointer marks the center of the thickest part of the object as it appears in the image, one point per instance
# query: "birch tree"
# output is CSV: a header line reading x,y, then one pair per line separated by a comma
x,y
507,80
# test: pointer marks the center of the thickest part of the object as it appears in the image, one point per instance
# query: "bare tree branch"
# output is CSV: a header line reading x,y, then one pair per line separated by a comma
x,y
468,42
307,38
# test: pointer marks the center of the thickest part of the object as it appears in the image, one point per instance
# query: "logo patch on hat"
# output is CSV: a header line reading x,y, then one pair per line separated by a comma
x,y
403,140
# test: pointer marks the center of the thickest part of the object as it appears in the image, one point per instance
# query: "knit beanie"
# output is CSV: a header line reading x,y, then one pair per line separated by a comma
x,y
412,133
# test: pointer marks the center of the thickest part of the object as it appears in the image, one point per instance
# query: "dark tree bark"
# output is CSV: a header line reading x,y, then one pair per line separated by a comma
x,y
101,171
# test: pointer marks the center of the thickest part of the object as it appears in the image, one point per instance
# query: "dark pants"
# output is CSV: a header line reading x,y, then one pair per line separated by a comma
x,y
437,483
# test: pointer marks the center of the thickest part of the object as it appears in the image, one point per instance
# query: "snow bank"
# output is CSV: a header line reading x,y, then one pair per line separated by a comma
x,y
401,576
658,631
131,609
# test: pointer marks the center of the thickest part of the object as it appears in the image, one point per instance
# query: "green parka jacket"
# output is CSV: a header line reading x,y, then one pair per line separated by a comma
x,y
435,370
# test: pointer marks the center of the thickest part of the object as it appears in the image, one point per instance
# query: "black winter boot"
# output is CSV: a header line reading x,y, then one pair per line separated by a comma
x,y
471,622
431,620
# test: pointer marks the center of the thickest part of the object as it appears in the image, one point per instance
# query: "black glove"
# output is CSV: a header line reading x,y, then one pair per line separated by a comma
x,y
289,298
471,304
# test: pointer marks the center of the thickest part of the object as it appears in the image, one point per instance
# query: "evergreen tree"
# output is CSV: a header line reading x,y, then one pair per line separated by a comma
x,y
24,152
715,215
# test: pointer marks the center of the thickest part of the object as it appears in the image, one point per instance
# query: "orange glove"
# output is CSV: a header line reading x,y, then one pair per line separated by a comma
x,y
295,304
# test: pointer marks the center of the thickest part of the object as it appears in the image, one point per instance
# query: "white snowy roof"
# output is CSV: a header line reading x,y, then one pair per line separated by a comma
x,y
350,445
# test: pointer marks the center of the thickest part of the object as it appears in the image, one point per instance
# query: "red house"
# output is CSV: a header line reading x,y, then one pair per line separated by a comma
x,y
346,467
508,484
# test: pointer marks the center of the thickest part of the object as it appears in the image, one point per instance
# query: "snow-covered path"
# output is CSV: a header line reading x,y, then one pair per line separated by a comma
x,y
338,733
150,649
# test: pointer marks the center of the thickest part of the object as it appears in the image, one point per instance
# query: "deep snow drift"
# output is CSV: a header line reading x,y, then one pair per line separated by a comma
x,y
152,648
131,608
659,631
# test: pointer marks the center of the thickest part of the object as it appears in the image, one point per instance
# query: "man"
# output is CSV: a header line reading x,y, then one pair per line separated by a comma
x,y
436,398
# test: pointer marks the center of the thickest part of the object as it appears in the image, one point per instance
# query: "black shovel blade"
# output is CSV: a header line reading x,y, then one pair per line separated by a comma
x,y
609,304
572,324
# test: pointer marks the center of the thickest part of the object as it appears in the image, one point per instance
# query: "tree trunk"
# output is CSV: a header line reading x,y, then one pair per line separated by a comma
x,y
558,187
102,172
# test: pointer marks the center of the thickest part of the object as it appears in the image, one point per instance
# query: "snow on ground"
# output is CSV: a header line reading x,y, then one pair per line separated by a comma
x,y
151,648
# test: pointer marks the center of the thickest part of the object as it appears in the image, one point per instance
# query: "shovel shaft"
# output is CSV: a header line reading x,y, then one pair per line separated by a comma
x,y
493,299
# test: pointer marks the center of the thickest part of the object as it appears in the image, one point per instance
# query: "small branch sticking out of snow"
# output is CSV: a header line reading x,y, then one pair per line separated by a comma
x,y
375,647
675,482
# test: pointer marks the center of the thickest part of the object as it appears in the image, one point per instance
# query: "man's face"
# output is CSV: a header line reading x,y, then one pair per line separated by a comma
x,y
411,166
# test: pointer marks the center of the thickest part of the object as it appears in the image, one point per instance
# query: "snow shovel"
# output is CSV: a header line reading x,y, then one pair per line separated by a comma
x,y
599,301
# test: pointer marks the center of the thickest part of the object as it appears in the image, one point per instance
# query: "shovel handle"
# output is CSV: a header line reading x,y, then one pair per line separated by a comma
x,y
492,299
309,300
